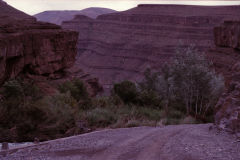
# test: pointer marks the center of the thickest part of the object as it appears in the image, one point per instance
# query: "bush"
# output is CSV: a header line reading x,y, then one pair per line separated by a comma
x,y
195,83
17,97
24,109
100,117
133,123
149,99
77,89
127,91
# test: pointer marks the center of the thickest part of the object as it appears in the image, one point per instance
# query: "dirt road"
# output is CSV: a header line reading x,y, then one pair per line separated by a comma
x,y
182,142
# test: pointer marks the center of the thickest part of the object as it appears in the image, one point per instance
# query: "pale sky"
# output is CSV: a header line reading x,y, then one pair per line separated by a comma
x,y
35,6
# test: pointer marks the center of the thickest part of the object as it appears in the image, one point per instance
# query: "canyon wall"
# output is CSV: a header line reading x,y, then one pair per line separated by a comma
x,y
57,17
40,51
120,46
33,47
227,37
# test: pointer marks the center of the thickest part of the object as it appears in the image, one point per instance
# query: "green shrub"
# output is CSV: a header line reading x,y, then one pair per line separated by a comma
x,y
77,89
101,102
189,120
149,99
133,123
175,114
127,91
149,113
100,117
150,82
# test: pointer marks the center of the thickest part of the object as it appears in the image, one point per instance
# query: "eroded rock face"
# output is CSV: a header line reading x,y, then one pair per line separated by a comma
x,y
228,107
228,35
120,46
28,46
57,17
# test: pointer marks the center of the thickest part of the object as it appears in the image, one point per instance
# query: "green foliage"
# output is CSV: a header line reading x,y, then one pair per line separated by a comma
x,y
184,91
150,82
100,117
76,87
148,90
78,91
127,91
13,88
194,82
133,123
149,99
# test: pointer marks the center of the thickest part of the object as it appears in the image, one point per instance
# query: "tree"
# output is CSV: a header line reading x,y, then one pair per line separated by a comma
x,y
194,82
127,91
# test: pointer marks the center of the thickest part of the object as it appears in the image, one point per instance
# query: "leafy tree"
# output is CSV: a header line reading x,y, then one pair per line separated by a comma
x,y
127,91
76,88
194,82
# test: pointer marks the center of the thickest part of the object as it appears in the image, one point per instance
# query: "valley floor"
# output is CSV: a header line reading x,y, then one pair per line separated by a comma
x,y
181,142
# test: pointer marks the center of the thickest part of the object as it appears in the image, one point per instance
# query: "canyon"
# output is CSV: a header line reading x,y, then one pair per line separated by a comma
x,y
57,17
38,50
33,47
120,46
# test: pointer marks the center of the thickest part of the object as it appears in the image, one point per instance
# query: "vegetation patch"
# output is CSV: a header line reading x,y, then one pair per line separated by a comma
x,y
183,92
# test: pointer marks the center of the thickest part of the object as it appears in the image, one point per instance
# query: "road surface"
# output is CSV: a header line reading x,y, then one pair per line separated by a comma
x,y
180,142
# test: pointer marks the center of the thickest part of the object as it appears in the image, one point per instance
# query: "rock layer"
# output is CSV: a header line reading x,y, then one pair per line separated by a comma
x,y
228,107
57,17
120,46
28,46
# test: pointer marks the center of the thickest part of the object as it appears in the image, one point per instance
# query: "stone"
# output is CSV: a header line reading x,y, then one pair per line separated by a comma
x,y
36,141
5,146
228,108
28,46
120,46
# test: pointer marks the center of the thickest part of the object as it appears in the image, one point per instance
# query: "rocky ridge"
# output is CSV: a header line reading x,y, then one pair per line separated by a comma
x,y
227,36
39,50
57,17
33,47
120,46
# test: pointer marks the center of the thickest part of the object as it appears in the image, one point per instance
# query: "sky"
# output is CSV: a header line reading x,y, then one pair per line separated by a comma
x,y
35,6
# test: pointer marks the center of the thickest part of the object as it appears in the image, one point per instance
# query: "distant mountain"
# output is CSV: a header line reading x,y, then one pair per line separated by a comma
x,y
58,17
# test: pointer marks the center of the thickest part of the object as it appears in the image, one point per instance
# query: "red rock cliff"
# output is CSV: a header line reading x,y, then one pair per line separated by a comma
x,y
227,36
32,47
120,46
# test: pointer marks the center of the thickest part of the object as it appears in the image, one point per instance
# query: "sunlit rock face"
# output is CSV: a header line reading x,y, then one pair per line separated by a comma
x,y
120,46
28,46
227,36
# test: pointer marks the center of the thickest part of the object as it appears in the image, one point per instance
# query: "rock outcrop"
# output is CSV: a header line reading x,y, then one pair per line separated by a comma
x,y
57,17
228,107
28,46
120,46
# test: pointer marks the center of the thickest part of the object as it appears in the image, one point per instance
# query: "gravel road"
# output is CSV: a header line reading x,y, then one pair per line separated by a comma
x,y
181,142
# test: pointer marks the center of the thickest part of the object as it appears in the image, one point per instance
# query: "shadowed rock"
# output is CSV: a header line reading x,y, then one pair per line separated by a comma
x,y
228,107
33,47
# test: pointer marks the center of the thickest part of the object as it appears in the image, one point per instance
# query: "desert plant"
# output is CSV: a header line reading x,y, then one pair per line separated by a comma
x,y
100,117
127,91
194,82
76,87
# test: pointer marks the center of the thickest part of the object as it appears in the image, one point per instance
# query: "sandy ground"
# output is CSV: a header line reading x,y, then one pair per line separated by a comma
x,y
182,142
